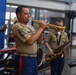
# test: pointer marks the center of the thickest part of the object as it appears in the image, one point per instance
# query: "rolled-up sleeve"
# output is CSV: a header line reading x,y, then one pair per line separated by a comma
x,y
21,34
48,37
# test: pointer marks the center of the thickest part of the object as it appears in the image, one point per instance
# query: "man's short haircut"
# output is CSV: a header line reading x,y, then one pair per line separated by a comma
x,y
59,20
19,9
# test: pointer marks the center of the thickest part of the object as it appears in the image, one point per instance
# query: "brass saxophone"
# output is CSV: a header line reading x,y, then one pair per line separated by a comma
x,y
58,52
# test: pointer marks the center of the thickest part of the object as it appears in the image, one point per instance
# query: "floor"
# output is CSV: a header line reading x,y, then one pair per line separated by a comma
x,y
70,55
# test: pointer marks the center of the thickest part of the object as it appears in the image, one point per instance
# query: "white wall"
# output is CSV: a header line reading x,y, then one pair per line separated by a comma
x,y
73,6
52,14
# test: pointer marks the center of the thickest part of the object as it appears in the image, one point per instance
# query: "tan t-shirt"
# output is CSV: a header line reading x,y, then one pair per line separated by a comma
x,y
21,33
51,38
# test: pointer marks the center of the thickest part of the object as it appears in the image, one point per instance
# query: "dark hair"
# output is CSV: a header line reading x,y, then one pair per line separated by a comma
x,y
19,9
59,20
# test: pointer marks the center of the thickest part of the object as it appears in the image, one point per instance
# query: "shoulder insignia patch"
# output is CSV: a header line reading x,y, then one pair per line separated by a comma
x,y
21,32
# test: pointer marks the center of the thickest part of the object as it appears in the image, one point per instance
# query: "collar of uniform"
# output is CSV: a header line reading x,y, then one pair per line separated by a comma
x,y
22,24
59,33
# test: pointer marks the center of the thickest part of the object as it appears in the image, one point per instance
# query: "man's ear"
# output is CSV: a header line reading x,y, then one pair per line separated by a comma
x,y
18,15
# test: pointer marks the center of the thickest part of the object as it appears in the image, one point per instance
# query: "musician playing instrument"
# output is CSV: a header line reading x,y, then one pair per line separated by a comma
x,y
52,42
26,39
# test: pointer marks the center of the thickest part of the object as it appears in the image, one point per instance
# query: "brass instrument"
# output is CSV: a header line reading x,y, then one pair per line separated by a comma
x,y
51,27
58,52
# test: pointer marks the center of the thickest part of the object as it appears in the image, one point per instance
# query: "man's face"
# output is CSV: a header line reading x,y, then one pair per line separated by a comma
x,y
59,24
24,15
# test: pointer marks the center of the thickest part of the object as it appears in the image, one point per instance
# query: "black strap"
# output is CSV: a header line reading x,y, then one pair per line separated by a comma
x,y
58,41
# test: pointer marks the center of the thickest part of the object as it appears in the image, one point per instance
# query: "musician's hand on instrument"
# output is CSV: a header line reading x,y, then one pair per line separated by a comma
x,y
51,52
46,27
42,24
73,37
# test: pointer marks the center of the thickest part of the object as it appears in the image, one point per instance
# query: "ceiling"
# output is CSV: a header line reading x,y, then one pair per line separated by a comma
x,y
63,1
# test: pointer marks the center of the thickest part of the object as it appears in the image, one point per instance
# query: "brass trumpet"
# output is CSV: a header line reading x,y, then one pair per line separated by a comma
x,y
50,27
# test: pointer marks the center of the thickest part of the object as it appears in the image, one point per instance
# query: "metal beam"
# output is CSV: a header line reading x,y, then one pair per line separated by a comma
x,y
69,1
